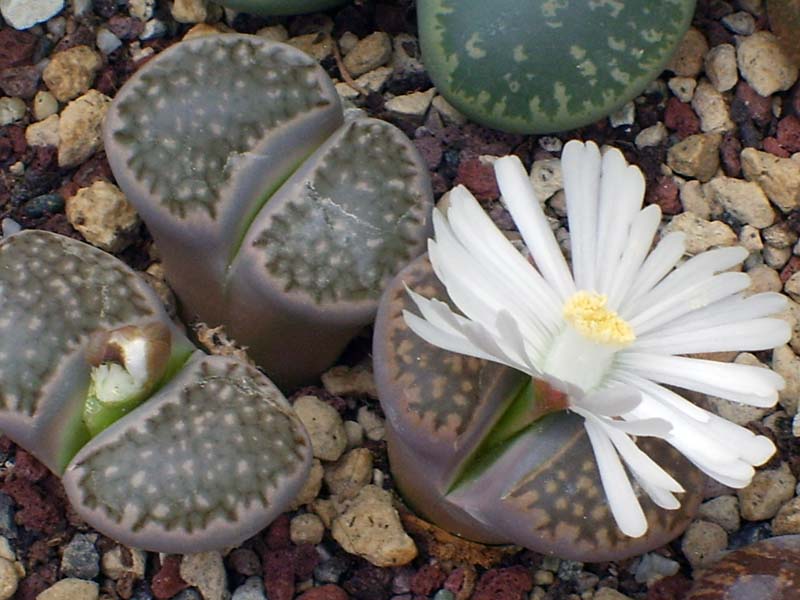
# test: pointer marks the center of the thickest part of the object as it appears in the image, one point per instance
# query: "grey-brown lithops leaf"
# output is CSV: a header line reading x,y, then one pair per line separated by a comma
x,y
539,488
205,463
55,292
321,252
275,217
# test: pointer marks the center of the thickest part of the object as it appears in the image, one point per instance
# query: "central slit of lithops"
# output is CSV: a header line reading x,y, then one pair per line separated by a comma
x,y
127,365
584,350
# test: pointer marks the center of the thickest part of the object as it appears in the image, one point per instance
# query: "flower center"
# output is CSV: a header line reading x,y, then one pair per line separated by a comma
x,y
584,350
587,312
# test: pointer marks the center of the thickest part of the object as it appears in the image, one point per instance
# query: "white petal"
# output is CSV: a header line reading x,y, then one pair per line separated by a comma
x,y
657,265
695,269
659,496
519,197
753,335
639,242
692,297
755,449
621,499
663,396
580,164
747,384
621,193
610,402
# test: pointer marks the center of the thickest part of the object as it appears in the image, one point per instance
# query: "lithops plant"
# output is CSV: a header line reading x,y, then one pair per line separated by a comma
x,y
159,446
459,460
281,7
544,65
275,216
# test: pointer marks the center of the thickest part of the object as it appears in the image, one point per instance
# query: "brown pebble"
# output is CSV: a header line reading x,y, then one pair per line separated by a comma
x,y
20,82
665,194
477,177
758,107
766,570
788,135
771,145
16,47
167,582
729,151
324,592
245,562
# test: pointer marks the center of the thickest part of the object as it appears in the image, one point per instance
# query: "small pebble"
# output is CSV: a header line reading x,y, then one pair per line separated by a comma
x,y
107,42
763,64
251,589
651,136
80,558
24,14
740,22
767,492
206,572
9,579
625,115
306,529
324,426
653,566
683,87
44,105
11,110
703,543
71,589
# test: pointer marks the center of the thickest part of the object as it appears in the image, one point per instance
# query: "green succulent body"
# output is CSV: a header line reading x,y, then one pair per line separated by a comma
x,y
281,7
546,65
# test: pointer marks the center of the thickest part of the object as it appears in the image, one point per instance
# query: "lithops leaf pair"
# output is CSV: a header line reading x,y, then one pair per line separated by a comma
x,y
460,458
280,7
158,445
541,66
275,216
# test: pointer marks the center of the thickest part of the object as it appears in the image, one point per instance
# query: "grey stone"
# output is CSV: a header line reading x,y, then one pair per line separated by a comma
x,y
722,510
251,589
24,14
653,566
703,543
81,559
740,22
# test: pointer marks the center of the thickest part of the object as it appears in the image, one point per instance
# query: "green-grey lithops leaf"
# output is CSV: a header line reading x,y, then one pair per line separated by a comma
x,y
55,292
328,243
206,463
274,216
457,461
546,65
280,7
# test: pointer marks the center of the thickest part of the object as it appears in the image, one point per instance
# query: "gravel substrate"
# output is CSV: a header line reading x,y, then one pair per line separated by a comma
x,y
718,138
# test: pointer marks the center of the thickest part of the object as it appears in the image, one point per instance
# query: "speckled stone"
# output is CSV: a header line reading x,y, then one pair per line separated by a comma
x,y
766,493
703,543
80,558
767,570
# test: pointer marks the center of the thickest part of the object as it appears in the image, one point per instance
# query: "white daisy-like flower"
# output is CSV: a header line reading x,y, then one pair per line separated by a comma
x,y
608,334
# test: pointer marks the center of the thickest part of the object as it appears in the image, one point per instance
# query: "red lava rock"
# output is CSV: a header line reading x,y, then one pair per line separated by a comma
x,y
680,117
279,574
758,107
324,592
36,511
45,158
27,467
791,267
511,583
478,177
729,151
94,169
16,47
369,583
771,145
665,194
277,535
305,559
32,586
167,582
245,562
107,82
455,580
125,28
81,35
16,135
788,134
428,579
21,82
431,150
674,587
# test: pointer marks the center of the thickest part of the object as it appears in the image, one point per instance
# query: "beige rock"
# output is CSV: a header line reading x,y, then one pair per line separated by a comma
x,y
355,434
9,579
768,491
373,425
651,136
204,29
694,199
779,235
372,52
80,128
712,108
350,474
325,509
605,593
44,105
317,45
546,177
71,589
189,11
776,257
448,112
778,177
750,238
703,543
792,316
763,64
71,72
371,528
306,529
721,67
744,200
687,61
683,87
102,215
786,363
276,33
787,521
696,156
324,426
343,381
43,133
120,561
311,487
701,234
347,42
792,286
722,510
415,104
764,279
11,110
206,572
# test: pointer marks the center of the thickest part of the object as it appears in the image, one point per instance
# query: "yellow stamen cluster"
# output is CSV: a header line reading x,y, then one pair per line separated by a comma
x,y
587,313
